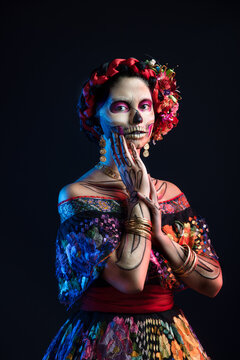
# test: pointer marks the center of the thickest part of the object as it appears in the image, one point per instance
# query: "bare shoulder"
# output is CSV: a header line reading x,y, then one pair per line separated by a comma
x,y
73,190
166,189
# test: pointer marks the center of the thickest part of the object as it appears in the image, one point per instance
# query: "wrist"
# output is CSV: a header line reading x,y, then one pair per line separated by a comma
x,y
162,241
138,209
161,236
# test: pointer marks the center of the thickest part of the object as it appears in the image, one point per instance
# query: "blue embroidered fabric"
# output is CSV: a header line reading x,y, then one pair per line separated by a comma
x,y
91,230
84,243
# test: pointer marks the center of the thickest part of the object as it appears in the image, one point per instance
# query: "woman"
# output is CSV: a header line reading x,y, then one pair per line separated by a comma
x,y
127,241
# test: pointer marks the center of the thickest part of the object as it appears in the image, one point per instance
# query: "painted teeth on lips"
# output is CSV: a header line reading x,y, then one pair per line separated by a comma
x,y
135,130
135,136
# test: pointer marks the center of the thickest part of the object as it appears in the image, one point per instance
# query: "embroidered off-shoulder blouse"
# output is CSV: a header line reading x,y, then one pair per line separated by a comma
x,y
90,230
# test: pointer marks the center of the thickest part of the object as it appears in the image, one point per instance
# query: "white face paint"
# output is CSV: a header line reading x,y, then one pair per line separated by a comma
x,y
128,109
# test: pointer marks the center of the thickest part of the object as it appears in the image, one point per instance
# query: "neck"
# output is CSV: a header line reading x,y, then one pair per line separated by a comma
x,y
110,162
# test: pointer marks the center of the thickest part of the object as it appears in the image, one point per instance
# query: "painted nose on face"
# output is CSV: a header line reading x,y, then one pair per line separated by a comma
x,y
137,119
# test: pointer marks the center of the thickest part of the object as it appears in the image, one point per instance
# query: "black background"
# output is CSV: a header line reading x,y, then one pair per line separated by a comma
x,y
48,51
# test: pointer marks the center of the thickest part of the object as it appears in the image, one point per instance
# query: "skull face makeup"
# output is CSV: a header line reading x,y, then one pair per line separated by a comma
x,y
128,110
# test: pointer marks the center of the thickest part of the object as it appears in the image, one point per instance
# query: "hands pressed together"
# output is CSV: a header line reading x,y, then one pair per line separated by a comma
x,y
207,279
136,179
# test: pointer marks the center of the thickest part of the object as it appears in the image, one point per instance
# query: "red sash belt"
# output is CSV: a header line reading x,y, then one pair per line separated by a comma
x,y
153,298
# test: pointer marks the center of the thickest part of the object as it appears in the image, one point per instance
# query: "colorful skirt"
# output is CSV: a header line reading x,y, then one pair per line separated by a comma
x,y
110,336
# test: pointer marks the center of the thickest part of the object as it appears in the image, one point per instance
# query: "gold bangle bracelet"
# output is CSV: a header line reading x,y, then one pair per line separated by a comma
x,y
138,228
137,224
141,220
181,268
144,221
189,266
192,267
140,233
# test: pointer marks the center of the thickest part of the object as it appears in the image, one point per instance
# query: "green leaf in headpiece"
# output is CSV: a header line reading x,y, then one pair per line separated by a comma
x,y
173,98
170,73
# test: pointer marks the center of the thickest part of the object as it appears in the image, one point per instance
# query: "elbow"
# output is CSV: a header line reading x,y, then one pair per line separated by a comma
x,y
133,283
126,285
139,286
133,287
214,290
213,294
132,291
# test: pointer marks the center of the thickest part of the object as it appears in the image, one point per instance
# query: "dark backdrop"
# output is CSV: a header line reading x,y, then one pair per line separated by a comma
x,y
48,51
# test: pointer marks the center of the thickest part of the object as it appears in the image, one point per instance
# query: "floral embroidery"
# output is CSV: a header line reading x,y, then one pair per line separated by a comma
x,y
89,232
82,250
83,204
191,344
179,203
116,343
176,350
84,243
123,338
194,233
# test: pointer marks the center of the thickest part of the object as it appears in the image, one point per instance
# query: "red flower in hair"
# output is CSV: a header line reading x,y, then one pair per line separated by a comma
x,y
165,96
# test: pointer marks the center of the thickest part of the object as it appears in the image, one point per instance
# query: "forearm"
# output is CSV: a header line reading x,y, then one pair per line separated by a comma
x,y
207,276
128,266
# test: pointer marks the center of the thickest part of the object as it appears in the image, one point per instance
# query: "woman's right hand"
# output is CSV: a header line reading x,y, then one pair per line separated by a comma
x,y
130,166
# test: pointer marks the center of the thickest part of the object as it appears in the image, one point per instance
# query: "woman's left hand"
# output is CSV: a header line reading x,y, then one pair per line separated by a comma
x,y
154,207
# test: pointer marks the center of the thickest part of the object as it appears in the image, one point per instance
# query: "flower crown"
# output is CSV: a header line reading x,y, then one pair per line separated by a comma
x,y
168,106
164,94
